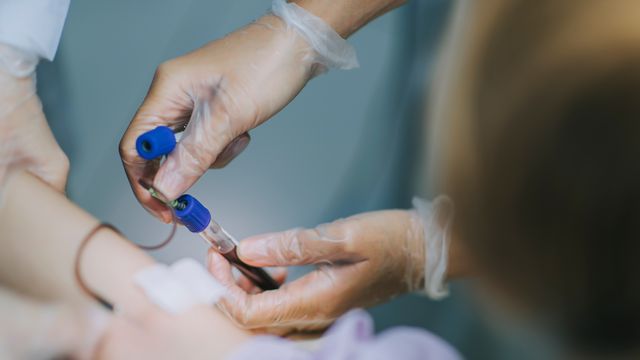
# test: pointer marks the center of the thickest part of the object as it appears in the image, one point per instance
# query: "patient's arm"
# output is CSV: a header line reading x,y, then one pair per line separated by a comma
x,y
41,231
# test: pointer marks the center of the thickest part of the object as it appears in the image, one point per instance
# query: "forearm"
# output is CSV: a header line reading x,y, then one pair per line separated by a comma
x,y
347,16
41,233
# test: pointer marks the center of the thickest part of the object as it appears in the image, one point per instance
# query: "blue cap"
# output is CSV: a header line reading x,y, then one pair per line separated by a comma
x,y
192,213
155,143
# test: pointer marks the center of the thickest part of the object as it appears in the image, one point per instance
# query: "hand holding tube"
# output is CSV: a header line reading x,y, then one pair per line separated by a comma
x,y
362,260
217,94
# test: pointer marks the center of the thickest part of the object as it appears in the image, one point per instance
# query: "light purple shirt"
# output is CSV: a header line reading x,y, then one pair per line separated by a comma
x,y
352,338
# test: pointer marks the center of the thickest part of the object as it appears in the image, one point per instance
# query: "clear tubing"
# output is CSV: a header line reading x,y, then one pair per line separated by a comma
x,y
218,238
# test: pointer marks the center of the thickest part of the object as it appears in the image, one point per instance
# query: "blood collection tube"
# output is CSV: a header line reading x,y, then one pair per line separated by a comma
x,y
197,219
195,216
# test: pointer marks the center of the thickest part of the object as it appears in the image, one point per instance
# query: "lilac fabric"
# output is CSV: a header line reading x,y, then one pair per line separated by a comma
x,y
352,338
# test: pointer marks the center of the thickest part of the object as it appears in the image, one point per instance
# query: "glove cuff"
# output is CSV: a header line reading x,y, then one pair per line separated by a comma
x,y
18,63
333,51
436,218
17,80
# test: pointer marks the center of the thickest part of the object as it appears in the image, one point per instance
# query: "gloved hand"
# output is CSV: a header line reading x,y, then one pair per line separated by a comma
x,y
25,138
361,261
223,90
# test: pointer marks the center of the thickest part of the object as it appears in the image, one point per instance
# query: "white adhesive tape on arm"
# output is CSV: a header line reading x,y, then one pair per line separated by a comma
x,y
333,51
179,287
436,237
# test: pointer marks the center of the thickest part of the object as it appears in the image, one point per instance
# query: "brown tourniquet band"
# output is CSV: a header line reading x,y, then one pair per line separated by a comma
x,y
79,279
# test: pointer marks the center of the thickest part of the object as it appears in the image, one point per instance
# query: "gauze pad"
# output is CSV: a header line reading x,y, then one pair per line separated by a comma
x,y
178,287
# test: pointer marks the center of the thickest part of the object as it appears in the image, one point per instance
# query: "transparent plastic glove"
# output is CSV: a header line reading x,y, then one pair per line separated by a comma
x,y
362,260
223,90
25,137
33,330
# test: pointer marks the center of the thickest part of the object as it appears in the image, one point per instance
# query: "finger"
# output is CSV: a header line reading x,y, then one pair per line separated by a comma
x,y
210,130
220,268
232,151
154,206
303,304
326,243
278,274
245,284
164,105
137,169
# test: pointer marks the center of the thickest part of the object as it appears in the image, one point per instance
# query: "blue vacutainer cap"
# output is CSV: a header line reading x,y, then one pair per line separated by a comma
x,y
192,213
155,143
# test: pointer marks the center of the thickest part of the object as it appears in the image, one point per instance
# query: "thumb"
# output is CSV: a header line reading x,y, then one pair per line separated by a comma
x,y
207,135
165,104
325,243
294,305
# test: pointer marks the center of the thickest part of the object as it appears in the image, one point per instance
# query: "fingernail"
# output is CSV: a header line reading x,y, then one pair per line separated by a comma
x,y
164,216
277,271
253,250
167,217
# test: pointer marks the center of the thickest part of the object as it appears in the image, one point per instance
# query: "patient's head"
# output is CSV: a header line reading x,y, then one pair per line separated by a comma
x,y
550,201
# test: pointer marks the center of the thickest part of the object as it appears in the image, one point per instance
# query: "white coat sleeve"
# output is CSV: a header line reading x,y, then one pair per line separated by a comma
x,y
33,26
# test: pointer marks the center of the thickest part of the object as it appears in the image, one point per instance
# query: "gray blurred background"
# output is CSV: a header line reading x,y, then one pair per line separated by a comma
x,y
346,144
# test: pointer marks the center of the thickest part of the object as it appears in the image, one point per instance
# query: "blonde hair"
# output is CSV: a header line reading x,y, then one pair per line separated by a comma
x,y
543,160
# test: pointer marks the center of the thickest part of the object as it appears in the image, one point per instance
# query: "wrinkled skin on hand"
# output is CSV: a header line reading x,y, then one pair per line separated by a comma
x,y
361,261
216,94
